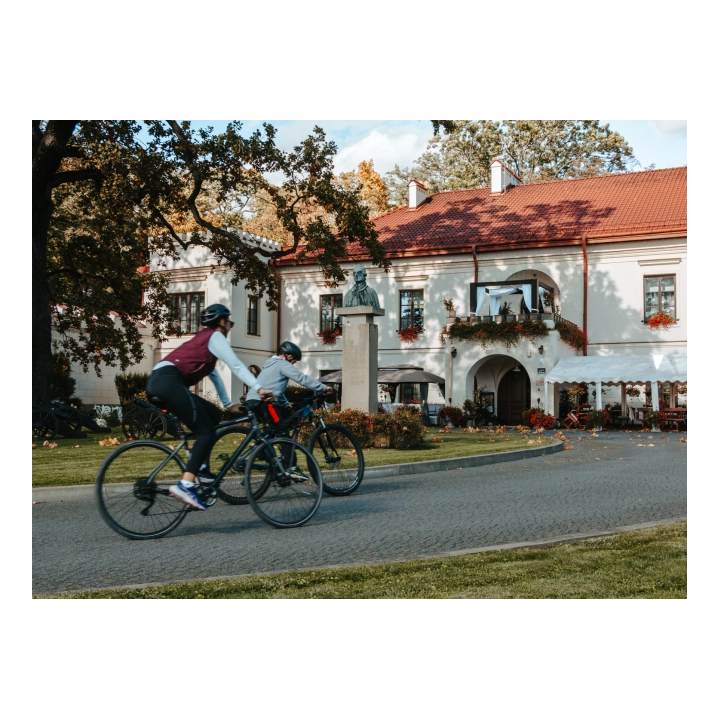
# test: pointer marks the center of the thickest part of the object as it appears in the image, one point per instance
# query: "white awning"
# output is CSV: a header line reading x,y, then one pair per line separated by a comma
x,y
617,369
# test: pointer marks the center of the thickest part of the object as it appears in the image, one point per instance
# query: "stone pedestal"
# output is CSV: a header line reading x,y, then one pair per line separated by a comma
x,y
360,358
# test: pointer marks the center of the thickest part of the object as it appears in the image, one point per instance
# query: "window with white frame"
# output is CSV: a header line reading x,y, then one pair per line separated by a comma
x,y
660,295
328,303
253,316
411,308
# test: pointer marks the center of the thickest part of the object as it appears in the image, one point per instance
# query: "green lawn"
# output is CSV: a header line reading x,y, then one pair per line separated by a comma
x,y
67,465
649,563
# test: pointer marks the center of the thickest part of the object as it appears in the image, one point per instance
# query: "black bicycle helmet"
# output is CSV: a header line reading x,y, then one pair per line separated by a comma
x,y
212,314
291,349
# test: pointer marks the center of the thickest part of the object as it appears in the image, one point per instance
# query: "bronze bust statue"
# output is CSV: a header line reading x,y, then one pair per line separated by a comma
x,y
360,295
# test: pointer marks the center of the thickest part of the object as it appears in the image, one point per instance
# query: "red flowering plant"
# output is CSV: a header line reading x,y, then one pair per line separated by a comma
x,y
537,418
452,414
408,334
329,335
661,321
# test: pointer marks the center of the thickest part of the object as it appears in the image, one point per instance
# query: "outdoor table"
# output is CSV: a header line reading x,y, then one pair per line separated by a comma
x,y
675,416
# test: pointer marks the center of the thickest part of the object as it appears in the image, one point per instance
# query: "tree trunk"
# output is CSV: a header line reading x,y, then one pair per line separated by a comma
x,y
41,311
48,149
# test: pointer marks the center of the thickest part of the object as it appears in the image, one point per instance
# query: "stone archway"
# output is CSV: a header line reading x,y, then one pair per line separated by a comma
x,y
513,396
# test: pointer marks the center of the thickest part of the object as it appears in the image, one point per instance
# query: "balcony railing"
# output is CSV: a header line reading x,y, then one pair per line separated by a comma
x,y
507,318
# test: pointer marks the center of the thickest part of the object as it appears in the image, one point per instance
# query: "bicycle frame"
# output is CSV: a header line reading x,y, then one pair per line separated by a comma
x,y
254,435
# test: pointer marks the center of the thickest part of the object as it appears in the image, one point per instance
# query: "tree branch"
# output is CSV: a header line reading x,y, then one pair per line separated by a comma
x,y
76,176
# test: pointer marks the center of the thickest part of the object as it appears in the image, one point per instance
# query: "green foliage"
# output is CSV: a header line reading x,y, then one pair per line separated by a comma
x,y
596,419
535,150
131,385
572,335
105,199
452,414
62,385
477,407
404,427
507,333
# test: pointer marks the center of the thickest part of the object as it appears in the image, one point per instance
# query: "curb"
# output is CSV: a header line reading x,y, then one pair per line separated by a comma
x,y
538,544
87,491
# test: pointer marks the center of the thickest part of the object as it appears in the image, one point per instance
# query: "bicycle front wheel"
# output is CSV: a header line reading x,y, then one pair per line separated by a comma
x,y
294,488
232,487
133,494
340,458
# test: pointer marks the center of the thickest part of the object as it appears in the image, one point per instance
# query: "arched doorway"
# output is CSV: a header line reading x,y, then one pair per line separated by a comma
x,y
514,396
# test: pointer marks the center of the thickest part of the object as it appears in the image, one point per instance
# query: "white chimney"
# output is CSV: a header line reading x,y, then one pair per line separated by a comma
x,y
501,176
417,193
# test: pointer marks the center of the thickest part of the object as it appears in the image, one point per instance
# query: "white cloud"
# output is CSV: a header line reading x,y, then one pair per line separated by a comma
x,y
399,146
671,126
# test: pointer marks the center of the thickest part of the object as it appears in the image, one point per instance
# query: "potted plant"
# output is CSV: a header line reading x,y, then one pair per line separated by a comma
x,y
452,415
329,335
633,391
653,420
408,335
596,419
661,321
449,306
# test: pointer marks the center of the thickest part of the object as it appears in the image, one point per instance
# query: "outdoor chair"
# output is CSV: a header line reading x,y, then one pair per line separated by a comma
x,y
571,420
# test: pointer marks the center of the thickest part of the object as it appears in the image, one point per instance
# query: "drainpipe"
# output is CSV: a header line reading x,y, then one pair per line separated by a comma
x,y
476,263
279,302
585,291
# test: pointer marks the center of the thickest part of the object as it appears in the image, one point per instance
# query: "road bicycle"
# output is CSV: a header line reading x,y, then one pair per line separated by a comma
x,y
282,481
334,447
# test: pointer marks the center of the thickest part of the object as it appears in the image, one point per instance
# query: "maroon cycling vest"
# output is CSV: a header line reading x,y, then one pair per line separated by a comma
x,y
193,359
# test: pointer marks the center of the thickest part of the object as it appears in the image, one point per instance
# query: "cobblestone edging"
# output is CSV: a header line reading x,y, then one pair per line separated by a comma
x,y
87,491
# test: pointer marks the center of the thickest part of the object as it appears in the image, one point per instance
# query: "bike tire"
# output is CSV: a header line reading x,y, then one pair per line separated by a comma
x,y
147,424
44,424
340,458
132,505
288,502
232,488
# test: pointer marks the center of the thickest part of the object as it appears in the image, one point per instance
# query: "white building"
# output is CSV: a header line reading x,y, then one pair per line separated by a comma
x,y
605,252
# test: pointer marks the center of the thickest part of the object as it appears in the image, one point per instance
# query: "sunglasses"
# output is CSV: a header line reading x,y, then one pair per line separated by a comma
x,y
231,324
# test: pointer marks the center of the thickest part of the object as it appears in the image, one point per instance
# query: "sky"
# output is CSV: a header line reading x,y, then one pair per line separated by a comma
x,y
391,142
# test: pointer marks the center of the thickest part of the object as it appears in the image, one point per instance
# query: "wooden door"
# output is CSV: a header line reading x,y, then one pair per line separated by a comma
x,y
514,394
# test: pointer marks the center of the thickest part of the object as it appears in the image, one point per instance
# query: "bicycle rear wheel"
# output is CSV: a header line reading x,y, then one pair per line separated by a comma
x,y
340,458
291,498
133,498
232,487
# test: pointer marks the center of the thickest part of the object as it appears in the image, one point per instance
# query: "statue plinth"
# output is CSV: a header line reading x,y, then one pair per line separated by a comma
x,y
360,358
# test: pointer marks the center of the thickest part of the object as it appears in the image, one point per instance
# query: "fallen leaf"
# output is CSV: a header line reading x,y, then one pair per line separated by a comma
x,y
620,459
352,453
76,446
37,502
34,446
598,459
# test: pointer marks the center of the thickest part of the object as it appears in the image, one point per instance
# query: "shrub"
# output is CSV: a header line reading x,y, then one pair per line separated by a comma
x,y
652,418
538,418
596,418
452,414
62,385
404,427
297,393
131,385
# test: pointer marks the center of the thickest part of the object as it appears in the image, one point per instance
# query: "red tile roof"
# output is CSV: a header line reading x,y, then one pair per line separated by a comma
x,y
613,205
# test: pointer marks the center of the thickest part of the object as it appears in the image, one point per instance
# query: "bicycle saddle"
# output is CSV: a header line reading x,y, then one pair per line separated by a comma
x,y
159,403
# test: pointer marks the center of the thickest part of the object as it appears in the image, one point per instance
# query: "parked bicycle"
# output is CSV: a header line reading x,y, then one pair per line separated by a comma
x,y
282,481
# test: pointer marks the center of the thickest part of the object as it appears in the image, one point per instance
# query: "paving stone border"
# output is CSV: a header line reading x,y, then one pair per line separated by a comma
x,y
87,491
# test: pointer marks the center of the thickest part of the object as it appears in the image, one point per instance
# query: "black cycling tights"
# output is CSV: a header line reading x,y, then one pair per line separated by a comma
x,y
200,415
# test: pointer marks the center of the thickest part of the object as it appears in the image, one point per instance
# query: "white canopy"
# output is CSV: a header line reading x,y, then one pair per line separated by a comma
x,y
617,369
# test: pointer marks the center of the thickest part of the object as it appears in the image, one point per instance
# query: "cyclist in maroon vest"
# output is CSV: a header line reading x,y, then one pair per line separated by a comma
x,y
183,368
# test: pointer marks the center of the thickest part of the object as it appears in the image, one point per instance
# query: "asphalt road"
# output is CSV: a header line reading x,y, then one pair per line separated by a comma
x,y
603,483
